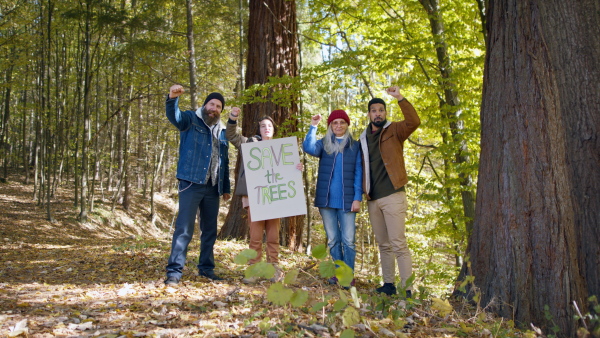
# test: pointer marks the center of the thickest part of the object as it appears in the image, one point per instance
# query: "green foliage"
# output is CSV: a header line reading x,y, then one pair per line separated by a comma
x,y
343,273
279,294
261,270
243,257
319,251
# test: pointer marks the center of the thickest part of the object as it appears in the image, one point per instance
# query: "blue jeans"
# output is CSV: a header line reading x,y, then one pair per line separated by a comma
x,y
192,197
340,228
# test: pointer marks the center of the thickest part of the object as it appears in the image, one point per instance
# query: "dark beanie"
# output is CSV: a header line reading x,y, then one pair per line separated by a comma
x,y
338,114
376,100
217,96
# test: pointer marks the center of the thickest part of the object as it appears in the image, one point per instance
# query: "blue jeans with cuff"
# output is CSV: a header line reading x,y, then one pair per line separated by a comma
x,y
192,197
340,228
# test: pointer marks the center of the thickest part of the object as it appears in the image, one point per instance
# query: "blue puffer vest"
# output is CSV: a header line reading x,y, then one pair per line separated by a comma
x,y
195,147
326,167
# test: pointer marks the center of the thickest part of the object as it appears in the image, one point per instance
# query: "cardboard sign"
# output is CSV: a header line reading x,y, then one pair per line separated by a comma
x,y
275,187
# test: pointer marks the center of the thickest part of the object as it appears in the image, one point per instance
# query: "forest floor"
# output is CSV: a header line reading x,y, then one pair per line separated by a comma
x,y
104,278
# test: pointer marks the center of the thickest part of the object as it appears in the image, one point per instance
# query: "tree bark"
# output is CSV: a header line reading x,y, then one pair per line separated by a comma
x,y
272,52
535,241
192,54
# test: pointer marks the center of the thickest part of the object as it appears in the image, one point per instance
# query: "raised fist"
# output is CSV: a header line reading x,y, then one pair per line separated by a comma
x,y
395,92
315,120
234,114
175,91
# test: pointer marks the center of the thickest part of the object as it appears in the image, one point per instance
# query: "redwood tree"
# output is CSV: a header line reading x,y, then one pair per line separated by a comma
x,y
535,243
272,52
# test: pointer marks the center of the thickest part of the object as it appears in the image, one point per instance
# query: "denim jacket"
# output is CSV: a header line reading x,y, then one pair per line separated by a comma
x,y
195,146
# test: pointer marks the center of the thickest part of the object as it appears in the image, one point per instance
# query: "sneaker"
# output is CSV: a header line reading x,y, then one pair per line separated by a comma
x,y
250,280
387,288
351,284
209,274
333,280
171,280
278,274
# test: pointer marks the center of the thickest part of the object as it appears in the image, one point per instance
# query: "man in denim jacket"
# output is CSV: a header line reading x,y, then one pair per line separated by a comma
x,y
203,174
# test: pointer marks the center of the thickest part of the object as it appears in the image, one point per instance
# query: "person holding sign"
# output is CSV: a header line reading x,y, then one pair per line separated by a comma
x,y
382,145
339,184
266,130
203,174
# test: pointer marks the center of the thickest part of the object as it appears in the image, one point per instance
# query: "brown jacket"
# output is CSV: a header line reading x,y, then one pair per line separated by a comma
x,y
391,146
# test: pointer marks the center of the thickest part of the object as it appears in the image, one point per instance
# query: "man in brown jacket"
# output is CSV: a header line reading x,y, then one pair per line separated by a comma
x,y
385,176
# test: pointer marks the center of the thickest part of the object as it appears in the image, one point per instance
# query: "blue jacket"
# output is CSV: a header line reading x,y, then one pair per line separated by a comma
x,y
352,170
195,147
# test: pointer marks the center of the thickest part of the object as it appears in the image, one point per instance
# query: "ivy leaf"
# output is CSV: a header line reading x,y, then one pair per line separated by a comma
x,y
339,304
291,277
260,269
343,273
320,251
299,298
327,269
443,306
318,306
279,294
243,257
347,333
350,316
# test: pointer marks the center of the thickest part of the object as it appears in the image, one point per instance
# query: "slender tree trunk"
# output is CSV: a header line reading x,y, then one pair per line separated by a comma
x,y
86,116
192,53
535,247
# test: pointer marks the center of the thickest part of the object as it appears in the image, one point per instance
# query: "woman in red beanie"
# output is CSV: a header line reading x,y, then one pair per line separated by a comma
x,y
339,184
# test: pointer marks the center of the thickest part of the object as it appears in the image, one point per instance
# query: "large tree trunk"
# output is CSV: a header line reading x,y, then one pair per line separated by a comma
x,y
272,52
535,241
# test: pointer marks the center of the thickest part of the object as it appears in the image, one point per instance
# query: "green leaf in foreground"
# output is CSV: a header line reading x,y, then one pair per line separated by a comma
x,y
347,333
299,298
320,251
327,269
279,294
244,256
344,273
291,277
350,316
260,269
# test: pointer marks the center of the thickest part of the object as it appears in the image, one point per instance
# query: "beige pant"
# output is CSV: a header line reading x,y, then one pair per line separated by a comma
x,y
257,229
387,216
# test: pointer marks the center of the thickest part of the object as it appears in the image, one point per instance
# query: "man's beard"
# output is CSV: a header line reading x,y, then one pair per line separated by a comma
x,y
208,119
379,124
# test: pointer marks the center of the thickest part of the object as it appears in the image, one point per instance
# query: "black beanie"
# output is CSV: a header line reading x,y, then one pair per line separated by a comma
x,y
217,96
376,100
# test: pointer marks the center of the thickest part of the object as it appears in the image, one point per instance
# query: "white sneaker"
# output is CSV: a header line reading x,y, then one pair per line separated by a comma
x,y
250,280
278,274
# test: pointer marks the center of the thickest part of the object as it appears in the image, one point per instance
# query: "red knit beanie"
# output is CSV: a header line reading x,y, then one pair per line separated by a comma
x,y
338,114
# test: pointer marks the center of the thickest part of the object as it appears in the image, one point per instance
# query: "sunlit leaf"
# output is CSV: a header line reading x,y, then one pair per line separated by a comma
x,y
347,333
291,276
327,269
260,269
299,298
279,294
339,304
320,251
350,316
243,257
443,306
343,273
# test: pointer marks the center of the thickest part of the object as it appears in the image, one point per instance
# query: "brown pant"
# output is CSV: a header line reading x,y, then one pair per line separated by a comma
x,y
387,216
271,226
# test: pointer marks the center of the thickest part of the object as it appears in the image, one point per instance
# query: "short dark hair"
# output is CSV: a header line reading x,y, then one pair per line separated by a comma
x,y
376,100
